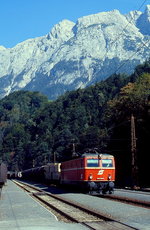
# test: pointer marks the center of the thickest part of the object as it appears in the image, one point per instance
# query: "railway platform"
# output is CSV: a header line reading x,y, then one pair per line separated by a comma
x,y
18,211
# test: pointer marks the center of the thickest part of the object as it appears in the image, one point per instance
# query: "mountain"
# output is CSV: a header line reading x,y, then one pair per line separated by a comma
x,y
75,55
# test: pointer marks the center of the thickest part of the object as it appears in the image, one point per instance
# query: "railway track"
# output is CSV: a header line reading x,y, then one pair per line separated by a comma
x,y
128,200
68,211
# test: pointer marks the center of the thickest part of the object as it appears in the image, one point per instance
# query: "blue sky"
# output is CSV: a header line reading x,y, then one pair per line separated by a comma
x,y
24,19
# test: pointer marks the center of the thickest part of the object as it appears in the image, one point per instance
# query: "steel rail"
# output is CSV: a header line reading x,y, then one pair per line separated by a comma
x,y
128,200
104,220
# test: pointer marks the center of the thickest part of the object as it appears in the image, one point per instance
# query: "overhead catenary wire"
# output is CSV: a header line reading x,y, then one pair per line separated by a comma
x,y
143,43
142,4
119,67
129,22
118,37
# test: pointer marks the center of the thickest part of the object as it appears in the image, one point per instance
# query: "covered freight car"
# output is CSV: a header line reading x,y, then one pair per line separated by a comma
x,y
49,173
52,172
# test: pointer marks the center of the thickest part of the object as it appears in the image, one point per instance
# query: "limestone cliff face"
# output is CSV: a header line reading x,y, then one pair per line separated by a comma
x,y
74,55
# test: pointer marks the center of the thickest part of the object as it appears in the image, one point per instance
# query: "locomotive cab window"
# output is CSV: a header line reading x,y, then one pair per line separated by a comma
x,y
107,163
92,163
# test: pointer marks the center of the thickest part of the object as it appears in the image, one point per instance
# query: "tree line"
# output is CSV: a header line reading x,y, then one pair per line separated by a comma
x,y
35,131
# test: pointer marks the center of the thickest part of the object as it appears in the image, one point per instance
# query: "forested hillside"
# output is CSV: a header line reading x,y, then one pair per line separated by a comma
x,y
34,130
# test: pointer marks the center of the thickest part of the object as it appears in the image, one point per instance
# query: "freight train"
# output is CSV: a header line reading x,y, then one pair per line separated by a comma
x,y
90,172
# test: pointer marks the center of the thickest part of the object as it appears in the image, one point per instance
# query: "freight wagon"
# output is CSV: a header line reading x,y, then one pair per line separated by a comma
x,y
3,174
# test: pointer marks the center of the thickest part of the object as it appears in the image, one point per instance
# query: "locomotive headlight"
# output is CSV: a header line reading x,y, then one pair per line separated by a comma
x,y
109,177
90,177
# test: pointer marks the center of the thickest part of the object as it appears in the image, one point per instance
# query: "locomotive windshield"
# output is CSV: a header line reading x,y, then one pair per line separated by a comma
x,y
92,163
107,163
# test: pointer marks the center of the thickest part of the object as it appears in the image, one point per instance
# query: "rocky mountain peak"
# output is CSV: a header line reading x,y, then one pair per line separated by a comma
x,y
143,22
74,55
98,19
62,30
147,10
2,48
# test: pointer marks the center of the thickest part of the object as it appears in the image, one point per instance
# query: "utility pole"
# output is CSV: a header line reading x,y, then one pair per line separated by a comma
x,y
134,154
33,163
74,154
73,149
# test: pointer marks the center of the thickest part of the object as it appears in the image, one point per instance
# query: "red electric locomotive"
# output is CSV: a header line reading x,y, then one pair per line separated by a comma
x,y
91,172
